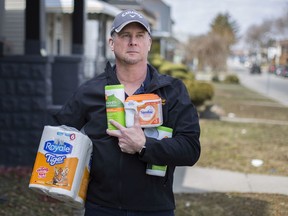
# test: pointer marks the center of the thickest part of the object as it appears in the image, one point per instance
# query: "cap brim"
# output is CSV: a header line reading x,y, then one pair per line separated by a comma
x,y
128,22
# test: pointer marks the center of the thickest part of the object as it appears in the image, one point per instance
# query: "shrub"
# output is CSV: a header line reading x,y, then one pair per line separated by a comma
x,y
215,78
232,79
183,75
168,68
156,60
199,92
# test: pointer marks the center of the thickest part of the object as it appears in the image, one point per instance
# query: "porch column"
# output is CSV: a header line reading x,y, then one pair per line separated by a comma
x,y
2,21
78,27
35,27
102,41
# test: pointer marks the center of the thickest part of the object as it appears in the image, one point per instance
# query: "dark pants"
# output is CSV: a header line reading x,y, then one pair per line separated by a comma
x,y
95,210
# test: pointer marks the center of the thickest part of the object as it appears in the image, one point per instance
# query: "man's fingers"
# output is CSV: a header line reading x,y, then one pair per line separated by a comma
x,y
117,125
115,133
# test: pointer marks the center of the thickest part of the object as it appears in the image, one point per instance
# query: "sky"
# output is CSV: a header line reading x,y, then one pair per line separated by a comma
x,y
193,17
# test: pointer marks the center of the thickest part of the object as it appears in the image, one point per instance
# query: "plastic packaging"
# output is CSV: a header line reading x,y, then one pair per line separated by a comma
x,y
149,107
62,165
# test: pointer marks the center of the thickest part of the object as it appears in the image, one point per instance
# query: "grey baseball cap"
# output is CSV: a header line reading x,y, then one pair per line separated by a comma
x,y
126,17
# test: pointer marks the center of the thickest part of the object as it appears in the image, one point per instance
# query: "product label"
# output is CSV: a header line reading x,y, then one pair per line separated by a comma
x,y
48,173
149,113
115,95
84,184
160,168
58,148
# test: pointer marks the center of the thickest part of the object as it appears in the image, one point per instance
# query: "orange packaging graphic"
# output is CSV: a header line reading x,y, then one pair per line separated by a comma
x,y
149,108
62,165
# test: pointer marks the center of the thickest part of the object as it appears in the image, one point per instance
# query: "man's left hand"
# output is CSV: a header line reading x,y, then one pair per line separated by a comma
x,y
131,140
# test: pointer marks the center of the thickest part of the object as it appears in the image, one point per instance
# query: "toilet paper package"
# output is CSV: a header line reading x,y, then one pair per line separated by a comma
x,y
62,165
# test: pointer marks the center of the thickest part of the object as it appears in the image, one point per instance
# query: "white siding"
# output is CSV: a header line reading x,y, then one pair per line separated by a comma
x,y
90,49
49,33
67,34
14,27
58,27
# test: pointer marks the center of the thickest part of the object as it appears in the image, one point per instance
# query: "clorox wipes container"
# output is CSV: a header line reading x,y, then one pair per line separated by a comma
x,y
149,108
62,165
115,97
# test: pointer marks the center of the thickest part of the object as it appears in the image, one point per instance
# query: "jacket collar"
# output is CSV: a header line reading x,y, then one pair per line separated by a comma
x,y
157,80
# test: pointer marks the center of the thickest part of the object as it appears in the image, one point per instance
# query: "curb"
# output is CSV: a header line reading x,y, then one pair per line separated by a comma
x,y
206,180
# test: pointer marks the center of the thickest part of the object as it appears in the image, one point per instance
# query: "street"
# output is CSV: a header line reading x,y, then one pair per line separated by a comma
x,y
267,84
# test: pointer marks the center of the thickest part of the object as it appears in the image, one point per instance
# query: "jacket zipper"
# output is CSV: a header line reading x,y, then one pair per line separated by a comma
x,y
120,183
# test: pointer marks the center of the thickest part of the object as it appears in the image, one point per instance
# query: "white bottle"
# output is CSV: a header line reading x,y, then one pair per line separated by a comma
x,y
157,133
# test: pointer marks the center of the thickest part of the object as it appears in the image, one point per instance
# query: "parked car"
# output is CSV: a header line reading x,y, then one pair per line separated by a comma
x,y
272,69
255,69
282,70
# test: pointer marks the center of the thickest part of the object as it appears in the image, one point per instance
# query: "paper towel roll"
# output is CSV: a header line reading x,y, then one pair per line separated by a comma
x,y
40,189
77,203
62,164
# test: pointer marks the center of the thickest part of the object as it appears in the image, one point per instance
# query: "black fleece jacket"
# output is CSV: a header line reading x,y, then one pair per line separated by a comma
x,y
118,180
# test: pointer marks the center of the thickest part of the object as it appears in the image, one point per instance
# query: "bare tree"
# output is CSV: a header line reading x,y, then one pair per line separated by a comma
x,y
259,35
265,34
213,48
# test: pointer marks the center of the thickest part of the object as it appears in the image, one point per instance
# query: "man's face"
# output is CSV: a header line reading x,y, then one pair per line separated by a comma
x,y
132,44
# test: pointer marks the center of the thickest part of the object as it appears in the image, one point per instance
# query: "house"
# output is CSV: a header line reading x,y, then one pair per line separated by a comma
x,y
47,49
58,29
42,62
283,57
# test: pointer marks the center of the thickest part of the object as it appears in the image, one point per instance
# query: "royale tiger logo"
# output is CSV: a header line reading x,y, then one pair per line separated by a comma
x,y
56,151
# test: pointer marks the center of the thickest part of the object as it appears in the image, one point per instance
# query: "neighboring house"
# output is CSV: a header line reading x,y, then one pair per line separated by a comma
x,y
283,57
136,5
278,54
99,18
162,33
42,62
97,25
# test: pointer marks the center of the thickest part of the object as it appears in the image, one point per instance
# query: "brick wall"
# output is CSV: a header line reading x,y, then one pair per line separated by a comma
x,y
25,95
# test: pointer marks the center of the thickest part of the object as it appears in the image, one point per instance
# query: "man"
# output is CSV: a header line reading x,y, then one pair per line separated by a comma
x,y
119,184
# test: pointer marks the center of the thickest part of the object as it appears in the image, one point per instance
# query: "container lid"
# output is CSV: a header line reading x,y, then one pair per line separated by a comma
x,y
111,87
167,129
142,97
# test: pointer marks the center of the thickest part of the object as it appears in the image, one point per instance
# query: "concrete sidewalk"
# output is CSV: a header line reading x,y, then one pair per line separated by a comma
x,y
203,180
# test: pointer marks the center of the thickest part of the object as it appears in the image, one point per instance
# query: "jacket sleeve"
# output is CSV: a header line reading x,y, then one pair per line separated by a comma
x,y
71,113
183,149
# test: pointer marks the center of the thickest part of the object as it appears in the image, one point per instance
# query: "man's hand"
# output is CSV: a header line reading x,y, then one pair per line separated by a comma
x,y
131,140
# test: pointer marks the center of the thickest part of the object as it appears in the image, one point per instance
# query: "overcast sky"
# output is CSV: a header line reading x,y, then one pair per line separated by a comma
x,y
194,16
